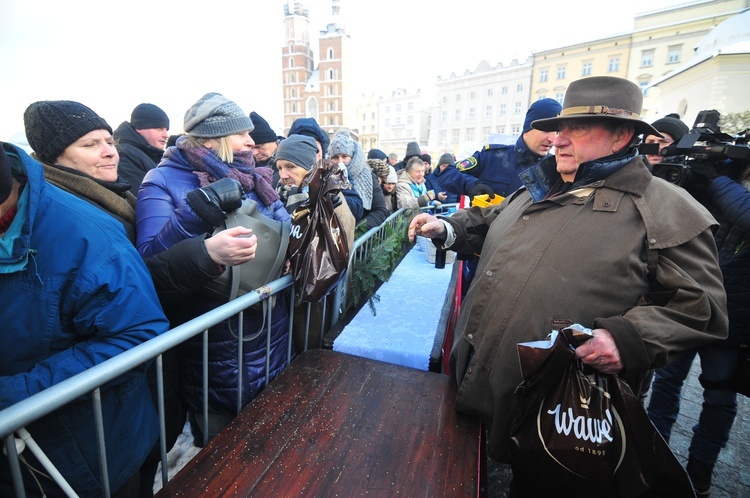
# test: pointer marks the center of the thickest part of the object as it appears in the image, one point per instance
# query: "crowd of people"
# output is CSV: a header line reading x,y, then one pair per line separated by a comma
x,y
142,212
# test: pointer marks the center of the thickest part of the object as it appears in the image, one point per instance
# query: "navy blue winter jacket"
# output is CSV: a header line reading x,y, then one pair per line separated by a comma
x,y
77,293
163,218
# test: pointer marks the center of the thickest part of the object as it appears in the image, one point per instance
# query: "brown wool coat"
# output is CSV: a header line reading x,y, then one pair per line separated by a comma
x,y
582,256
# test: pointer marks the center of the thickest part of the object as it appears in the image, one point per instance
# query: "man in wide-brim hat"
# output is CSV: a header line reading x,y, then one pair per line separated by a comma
x,y
592,238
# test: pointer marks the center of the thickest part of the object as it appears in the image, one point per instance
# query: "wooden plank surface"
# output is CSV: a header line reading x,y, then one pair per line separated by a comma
x,y
338,425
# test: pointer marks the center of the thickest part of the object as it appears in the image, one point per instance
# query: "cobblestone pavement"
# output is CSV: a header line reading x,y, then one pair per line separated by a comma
x,y
729,480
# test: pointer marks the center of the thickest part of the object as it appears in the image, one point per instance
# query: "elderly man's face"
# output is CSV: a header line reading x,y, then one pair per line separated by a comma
x,y
262,152
580,141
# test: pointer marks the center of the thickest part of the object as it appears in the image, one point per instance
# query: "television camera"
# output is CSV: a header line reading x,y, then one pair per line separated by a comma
x,y
704,144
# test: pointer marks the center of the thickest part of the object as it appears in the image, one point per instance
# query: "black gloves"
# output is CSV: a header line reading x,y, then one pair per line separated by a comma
x,y
705,170
211,202
480,188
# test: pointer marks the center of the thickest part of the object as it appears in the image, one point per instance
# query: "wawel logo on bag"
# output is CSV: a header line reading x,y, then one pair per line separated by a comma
x,y
584,435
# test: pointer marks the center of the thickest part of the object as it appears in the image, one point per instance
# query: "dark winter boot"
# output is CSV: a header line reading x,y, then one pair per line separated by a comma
x,y
700,474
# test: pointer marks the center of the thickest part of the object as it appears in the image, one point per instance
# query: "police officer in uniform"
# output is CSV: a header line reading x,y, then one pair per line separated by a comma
x,y
495,168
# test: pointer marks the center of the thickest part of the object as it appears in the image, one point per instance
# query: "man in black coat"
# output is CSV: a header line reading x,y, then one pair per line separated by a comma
x,y
141,143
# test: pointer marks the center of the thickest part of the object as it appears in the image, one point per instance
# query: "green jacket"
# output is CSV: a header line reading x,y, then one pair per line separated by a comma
x,y
583,256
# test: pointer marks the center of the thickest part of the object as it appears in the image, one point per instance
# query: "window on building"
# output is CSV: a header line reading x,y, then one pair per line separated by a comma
x,y
488,111
516,130
486,131
388,121
291,62
445,99
443,137
543,75
331,106
292,78
398,107
409,132
500,129
614,65
458,114
674,54
473,95
372,128
470,134
471,113
647,58
504,90
364,116
489,92
444,116
541,97
398,120
330,53
373,115
586,69
410,106
644,87
517,108
330,74
294,107
397,133
560,72
292,93
409,120
501,110
519,87
559,97
387,109
454,138
458,97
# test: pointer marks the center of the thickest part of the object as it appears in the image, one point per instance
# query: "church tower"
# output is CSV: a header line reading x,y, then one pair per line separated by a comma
x,y
318,92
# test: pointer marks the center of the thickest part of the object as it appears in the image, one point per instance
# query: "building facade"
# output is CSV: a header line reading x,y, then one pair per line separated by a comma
x,y
470,108
321,92
403,117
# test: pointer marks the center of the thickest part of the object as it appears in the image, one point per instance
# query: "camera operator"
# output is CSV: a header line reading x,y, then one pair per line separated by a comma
x,y
723,186
673,130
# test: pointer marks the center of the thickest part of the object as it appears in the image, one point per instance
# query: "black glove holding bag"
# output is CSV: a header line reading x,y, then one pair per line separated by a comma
x,y
211,203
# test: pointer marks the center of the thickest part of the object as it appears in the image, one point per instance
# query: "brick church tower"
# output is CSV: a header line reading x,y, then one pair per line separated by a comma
x,y
318,92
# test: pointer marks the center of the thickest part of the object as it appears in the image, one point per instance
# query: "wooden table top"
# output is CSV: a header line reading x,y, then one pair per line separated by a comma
x,y
338,425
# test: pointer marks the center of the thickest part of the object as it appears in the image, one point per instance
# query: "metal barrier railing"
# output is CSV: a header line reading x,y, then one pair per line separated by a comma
x,y
14,418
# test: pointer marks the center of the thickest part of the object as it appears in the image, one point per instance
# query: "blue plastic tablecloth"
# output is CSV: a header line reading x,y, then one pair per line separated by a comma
x,y
403,330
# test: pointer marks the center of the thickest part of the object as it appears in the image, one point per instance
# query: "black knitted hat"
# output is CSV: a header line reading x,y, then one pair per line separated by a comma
x,y
262,133
52,125
146,116
674,126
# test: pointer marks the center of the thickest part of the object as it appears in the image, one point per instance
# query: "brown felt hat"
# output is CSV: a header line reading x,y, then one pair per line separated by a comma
x,y
601,97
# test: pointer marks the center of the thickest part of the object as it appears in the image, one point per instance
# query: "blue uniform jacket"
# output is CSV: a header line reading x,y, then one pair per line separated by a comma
x,y
495,165
76,293
163,218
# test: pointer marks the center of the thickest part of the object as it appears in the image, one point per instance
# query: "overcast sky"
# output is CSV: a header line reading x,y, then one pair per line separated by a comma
x,y
112,56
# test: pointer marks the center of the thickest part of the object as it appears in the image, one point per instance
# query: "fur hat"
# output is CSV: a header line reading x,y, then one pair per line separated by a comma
x,y
52,125
215,116
673,126
6,179
392,177
601,97
377,154
262,133
412,149
310,127
379,167
298,149
146,116
446,158
541,109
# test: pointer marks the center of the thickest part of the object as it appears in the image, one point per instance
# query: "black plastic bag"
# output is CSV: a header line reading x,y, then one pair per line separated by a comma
x,y
318,250
583,433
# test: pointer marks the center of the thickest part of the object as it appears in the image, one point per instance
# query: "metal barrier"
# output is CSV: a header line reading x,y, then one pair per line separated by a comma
x,y
14,418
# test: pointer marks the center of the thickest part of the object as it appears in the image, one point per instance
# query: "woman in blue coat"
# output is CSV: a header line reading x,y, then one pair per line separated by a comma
x,y
186,196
